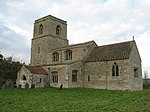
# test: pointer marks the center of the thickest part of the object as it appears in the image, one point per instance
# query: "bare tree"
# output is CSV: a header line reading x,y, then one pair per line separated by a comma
x,y
145,76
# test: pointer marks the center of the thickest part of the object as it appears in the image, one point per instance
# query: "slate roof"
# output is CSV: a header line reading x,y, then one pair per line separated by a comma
x,y
110,52
36,70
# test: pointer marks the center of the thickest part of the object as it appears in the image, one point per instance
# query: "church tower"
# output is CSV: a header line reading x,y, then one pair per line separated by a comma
x,y
49,33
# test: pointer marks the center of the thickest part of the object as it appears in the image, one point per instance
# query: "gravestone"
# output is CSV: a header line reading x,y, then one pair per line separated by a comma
x,y
61,86
46,84
3,86
26,85
9,84
19,86
15,86
32,85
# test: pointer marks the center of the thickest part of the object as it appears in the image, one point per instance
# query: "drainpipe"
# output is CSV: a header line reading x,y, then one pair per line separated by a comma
x,y
49,80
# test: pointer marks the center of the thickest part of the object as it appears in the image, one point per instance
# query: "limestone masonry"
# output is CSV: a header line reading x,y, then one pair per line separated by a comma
x,y
54,62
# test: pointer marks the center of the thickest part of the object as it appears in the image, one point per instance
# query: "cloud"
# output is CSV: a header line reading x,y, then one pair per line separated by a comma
x,y
105,21
143,44
12,44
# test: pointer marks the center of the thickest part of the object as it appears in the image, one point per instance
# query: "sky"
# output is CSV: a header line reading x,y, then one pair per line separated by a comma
x,y
104,21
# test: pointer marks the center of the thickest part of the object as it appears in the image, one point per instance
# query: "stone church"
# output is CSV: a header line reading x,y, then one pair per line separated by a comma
x,y
55,62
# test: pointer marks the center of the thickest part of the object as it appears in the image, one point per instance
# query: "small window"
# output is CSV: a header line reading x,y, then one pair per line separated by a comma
x,y
88,78
136,72
54,77
58,30
41,29
115,70
74,76
55,57
68,55
39,50
40,80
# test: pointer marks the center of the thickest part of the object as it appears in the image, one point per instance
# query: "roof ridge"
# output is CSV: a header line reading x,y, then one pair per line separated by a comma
x,y
116,43
36,69
75,44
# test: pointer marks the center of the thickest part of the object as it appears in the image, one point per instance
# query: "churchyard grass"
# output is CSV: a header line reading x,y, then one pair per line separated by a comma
x,y
73,100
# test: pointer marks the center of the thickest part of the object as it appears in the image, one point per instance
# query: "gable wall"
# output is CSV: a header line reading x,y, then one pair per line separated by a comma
x,y
135,62
30,78
24,71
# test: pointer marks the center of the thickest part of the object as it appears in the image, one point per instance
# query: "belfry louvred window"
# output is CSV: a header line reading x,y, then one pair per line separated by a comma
x,y
58,30
41,29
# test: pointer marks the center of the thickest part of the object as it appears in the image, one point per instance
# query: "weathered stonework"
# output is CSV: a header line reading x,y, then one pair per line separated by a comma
x,y
101,75
135,63
48,40
65,67
114,67
25,76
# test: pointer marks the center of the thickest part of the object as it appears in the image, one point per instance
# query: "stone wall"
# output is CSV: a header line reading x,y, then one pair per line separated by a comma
x,y
38,79
49,27
65,74
75,66
24,72
79,52
65,67
48,40
120,82
45,44
135,63
62,75
100,74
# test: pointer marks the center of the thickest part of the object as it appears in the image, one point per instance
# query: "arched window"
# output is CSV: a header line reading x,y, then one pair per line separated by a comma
x,y
41,29
58,30
68,55
54,76
55,56
115,70
74,76
24,77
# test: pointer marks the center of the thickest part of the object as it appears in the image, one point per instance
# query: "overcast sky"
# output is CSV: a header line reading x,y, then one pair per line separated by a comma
x,y
104,21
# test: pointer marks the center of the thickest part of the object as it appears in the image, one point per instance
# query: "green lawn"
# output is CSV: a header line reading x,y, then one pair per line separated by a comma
x,y
73,100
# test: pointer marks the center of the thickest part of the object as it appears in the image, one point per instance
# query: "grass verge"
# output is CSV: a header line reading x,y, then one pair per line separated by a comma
x,y
73,100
